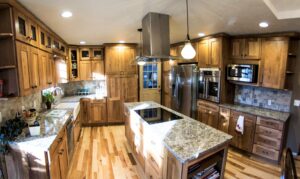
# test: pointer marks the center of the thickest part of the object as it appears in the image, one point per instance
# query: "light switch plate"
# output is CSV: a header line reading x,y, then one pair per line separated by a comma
x,y
297,102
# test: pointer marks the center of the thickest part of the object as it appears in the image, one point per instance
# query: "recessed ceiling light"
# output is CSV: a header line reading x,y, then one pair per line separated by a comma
x,y
66,14
263,25
82,42
201,34
121,41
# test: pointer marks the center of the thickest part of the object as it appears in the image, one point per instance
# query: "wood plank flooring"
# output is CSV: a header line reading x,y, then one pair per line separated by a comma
x,y
103,152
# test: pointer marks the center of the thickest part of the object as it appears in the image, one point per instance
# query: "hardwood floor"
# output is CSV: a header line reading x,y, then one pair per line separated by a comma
x,y
103,152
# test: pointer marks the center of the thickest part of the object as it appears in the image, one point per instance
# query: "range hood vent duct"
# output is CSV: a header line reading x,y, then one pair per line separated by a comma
x,y
156,37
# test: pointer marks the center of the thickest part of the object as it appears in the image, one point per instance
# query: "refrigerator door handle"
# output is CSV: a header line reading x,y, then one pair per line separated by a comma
x,y
206,88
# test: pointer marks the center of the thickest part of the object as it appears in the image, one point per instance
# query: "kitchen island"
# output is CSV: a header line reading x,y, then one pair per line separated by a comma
x,y
180,148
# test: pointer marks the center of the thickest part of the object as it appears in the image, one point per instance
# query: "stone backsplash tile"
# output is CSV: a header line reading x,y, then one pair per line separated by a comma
x,y
71,88
8,108
257,96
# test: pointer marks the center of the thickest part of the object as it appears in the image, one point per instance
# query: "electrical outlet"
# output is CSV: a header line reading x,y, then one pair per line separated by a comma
x,y
297,102
269,102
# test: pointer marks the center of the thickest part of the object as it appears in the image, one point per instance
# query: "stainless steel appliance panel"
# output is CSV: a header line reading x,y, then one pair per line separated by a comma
x,y
242,73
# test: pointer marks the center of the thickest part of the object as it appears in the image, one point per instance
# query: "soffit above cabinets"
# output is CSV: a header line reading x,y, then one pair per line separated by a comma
x,y
103,21
284,9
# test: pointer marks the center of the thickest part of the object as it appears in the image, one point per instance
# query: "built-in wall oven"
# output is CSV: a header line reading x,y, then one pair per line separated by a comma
x,y
209,84
242,73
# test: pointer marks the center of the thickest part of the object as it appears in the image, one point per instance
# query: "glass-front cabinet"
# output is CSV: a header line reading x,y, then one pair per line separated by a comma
x,y
74,64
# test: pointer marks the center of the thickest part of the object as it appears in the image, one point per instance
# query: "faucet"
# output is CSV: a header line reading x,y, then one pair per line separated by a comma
x,y
57,91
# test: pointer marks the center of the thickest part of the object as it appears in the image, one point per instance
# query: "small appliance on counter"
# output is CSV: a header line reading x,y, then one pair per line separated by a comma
x,y
242,73
209,84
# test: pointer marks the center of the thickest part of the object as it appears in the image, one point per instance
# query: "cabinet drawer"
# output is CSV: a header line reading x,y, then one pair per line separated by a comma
x,y
265,152
248,117
208,106
153,166
267,141
268,132
271,123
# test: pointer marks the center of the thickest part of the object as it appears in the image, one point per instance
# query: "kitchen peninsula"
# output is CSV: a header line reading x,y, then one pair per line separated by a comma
x,y
180,148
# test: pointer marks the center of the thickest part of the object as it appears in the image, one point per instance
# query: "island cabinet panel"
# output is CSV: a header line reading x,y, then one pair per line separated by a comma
x,y
174,167
274,58
98,111
208,113
242,141
85,106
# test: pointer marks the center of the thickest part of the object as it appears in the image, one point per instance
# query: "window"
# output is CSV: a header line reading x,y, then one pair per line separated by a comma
x,y
150,76
22,26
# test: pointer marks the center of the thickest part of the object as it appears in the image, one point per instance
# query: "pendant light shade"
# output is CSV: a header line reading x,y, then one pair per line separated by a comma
x,y
188,52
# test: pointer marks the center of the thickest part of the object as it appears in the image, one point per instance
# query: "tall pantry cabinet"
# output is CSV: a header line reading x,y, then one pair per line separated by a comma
x,y
122,79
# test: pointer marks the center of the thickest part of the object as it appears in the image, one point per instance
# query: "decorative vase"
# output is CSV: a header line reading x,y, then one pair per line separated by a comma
x,y
48,104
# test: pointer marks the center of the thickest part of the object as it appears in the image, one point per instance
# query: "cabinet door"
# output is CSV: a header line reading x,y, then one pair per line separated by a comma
x,y
98,112
98,70
85,112
85,54
130,88
174,168
34,67
245,141
202,115
173,51
114,104
252,48
22,27
203,60
43,65
23,55
274,58
127,60
112,62
213,119
33,33
54,166
63,158
85,70
237,46
215,50
49,69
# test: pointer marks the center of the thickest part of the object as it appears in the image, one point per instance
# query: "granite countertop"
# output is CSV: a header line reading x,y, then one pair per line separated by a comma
x,y
186,139
276,115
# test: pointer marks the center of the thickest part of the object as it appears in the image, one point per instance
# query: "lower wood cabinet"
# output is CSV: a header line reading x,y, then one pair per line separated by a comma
x,y
93,111
243,141
59,156
208,113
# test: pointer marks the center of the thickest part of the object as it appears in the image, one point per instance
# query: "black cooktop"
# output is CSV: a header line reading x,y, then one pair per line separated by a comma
x,y
157,115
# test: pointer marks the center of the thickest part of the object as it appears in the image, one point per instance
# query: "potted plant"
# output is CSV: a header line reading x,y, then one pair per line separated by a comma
x,y
49,99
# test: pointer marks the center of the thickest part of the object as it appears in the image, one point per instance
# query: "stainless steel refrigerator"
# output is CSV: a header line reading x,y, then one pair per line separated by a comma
x,y
184,89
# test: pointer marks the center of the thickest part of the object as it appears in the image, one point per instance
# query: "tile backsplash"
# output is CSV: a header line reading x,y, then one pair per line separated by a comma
x,y
9,107
71,88
258,97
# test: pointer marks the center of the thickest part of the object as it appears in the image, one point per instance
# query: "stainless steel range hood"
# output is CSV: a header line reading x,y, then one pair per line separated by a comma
x,y
156,37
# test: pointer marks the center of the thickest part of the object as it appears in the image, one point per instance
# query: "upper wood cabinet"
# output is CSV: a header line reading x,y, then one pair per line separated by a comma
x,y
45,40
97,53
246,48
26,29
98,70
129,88
43,64
84,54
120,59
85,70
210,52
274,59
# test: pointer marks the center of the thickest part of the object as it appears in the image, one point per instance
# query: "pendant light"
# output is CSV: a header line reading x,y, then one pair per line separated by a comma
x,y
188,52
140,60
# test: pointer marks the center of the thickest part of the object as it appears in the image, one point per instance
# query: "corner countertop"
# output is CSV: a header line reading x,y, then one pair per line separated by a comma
x,y
186,139
267,113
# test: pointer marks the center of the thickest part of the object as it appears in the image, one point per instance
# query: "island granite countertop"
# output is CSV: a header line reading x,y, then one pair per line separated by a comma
x,y
186,139
276,115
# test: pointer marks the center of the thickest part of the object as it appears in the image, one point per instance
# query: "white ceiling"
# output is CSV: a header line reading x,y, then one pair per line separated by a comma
x,y
108,21
284,9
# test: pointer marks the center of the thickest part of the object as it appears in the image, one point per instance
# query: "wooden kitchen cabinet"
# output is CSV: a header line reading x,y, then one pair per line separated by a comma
x,y
85,70
208,113
50,70
129,86
43,65
63,157
98,70
274,59
98,112
246,48
28,60
114,99
245,141
33,33
224,118
54,166
120,59
85,112
210,52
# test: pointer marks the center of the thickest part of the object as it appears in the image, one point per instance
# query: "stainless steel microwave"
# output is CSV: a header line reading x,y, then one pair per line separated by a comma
x,y
242,73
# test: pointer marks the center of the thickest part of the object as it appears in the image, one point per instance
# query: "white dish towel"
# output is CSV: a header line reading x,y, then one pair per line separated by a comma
x,y
240,125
